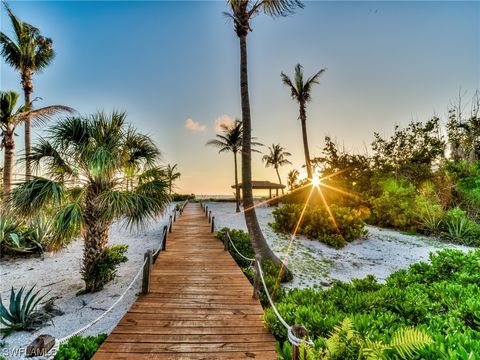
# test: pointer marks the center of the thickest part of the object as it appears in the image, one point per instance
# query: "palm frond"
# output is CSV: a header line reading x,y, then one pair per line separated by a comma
x,y
34,195
42,115
9,51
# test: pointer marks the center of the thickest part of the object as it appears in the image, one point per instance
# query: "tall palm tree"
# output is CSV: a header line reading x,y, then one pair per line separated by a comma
x,y
171,174
242,12
29,53
10,118
300,90
84,159
276,158
231,140
292,178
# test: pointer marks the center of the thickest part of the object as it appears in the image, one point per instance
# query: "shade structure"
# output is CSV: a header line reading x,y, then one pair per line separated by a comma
x,y
264,185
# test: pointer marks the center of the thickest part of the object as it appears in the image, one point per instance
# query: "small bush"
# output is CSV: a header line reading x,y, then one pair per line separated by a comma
x,y
458,228
105,268
345,226
182,197
241,240
80,348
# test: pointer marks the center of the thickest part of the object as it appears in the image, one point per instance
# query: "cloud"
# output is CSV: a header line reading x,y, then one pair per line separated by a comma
x,y
194,126
223,120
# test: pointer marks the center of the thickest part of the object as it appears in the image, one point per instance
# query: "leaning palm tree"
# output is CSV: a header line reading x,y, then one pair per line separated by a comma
x,y
171,174
277,158
300,91
231,140
242,12
28,53
10,118
84,159
292,178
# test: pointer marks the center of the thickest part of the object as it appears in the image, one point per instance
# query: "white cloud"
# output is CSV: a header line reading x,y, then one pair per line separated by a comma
x,y
194,126
225,120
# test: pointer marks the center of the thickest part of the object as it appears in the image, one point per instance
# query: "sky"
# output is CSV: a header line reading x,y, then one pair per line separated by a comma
x,y
173,66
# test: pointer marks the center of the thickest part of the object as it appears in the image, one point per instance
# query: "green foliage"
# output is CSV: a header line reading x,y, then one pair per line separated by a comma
x,y
347,343
458,228
104,269
182,197
401,206
80,347
441,298
21,313
241,240
345,226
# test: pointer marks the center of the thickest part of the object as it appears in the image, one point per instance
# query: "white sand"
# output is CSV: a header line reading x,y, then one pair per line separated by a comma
x,y
380,253
59,273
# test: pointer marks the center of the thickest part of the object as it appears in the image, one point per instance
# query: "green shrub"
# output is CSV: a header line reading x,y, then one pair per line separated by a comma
x,y
458,228
80,347
182,197
345,226
22,313
440,298
105,268
241,240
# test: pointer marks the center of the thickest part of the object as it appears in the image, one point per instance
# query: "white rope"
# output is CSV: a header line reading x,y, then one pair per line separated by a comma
x,y
238,252
66,338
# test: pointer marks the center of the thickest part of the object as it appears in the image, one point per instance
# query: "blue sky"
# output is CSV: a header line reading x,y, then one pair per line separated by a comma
x,y
165,62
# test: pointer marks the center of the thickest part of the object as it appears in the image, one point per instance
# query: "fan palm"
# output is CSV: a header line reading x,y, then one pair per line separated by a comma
x,y
93,152
276,158
171,174
28,53
241,13
10,118
231,140
300,90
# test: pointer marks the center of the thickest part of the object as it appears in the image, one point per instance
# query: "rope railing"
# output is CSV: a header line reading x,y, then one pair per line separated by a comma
x,y
297,334
149,259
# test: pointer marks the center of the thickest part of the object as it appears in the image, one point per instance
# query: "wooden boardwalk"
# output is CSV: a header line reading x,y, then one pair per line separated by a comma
x,y
200,304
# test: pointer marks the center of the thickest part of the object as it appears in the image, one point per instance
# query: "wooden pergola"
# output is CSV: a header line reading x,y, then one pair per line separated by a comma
x,y
263,185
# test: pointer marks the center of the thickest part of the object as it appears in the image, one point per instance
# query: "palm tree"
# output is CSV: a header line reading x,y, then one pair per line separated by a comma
x,y
171,174
276,158
292,178
10,119
242,12
300,90
231,140
84,159
28,53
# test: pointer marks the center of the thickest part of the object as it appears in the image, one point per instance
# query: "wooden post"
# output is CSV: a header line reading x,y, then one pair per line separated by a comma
x,y
164,243
256,277
225,241
213,223
175,215
270,193
206,210
171,225
300,332
210,216
147,268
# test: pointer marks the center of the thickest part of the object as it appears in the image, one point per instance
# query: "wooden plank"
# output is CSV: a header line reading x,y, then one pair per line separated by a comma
x,y
200,305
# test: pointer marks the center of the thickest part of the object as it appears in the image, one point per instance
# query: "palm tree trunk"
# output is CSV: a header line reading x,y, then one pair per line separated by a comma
x,y
259,243
279,179
95,243
237,191
8,165
303,120
27,90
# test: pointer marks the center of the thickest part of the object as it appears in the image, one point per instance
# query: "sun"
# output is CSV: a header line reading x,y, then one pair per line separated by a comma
x,y
316,180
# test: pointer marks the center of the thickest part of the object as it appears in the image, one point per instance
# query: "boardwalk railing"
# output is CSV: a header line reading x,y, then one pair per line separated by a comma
x,y
297,334
146,267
